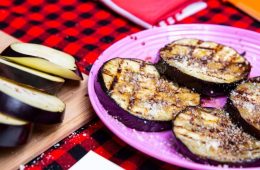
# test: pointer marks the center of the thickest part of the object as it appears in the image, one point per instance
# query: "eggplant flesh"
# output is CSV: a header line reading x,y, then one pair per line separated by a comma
x,y
29,104
137,95
244,106
46,66
44,59
209,68
207,135
13,132
42,81
20,49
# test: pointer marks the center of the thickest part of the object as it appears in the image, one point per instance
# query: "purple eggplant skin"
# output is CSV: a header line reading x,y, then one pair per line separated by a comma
x,y
122,115
237,118
28,79
11,135
78,72
200,86
12,53
181,148
18,109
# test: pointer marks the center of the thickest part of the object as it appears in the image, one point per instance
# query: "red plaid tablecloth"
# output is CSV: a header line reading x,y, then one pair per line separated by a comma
x,y
84,29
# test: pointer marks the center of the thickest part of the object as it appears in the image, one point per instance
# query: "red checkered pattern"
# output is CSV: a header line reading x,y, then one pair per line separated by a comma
x,y
85,29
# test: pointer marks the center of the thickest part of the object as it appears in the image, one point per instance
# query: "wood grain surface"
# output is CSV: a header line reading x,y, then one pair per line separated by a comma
x,y
78,112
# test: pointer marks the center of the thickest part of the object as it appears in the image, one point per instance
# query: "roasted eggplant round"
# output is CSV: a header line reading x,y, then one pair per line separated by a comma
x,y
133,91
29,104
27,76
13,132
207,67
244,106
44,59
207,135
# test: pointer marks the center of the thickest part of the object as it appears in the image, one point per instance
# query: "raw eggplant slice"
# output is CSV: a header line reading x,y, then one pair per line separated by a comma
x,y
244,106
27,76
211,69
13,131
207,135
44,59
133,92
29,104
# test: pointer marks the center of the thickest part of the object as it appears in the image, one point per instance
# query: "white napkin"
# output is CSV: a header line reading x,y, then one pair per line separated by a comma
x,y
96,162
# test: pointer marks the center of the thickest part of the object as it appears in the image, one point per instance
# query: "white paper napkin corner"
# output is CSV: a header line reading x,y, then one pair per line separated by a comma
x,y
94,161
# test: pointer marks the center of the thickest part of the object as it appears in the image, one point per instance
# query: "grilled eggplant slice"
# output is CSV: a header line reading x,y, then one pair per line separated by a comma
x,y
44,59
244,106
27,76
209,68
13,132
133,92
207,135
29,104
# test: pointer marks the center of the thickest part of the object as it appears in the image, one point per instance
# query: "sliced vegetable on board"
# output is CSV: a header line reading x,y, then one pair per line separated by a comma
x,y
29,104
27,76
44,59
13,131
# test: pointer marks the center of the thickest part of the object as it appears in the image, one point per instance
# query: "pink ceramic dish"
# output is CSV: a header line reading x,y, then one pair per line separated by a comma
x,y
145,45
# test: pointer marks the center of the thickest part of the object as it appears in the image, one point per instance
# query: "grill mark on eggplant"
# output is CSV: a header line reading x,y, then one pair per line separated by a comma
x,y
212,55
194,47
189,137
116,77
133,97
107,72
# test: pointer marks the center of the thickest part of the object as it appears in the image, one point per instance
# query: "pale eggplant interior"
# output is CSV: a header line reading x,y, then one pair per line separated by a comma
x,y
210,134
5,119
206,60
246,99
44,66
137,88
31,97
40,51
31,71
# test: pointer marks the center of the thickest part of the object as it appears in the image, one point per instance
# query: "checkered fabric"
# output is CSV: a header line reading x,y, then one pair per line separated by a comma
x,y
84,29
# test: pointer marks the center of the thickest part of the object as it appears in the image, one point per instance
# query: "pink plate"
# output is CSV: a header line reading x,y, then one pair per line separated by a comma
x,y
145,45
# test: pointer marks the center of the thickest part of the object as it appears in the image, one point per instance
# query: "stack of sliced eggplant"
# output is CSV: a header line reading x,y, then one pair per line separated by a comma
x,y
30,76
147,97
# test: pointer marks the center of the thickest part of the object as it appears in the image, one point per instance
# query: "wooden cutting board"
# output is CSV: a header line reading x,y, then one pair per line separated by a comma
x,y
78,112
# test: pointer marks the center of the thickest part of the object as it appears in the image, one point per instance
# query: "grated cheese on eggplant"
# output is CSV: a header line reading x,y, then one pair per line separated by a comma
x,y
206,60
208,135
244,104
137,87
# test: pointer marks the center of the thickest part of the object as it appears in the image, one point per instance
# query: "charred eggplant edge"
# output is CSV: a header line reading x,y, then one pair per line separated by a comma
x,y
200,86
